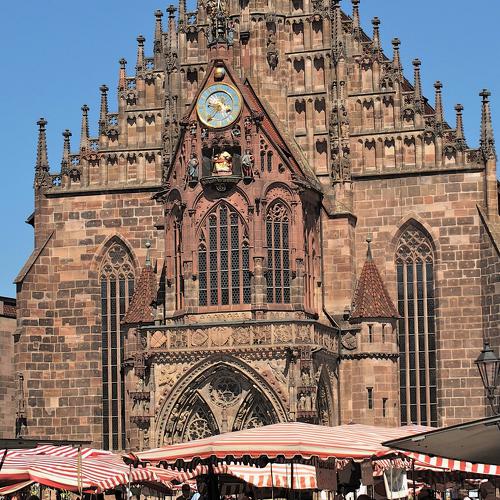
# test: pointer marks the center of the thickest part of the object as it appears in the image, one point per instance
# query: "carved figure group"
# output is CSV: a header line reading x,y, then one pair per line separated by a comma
x,y
222,163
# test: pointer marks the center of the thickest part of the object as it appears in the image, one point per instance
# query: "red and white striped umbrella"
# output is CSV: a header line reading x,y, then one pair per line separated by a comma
x,y
273,475
455,465
93,470
289,440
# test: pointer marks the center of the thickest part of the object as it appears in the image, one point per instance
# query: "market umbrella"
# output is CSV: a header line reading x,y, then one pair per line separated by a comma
x,y
477,441
270,476
71,469
286,440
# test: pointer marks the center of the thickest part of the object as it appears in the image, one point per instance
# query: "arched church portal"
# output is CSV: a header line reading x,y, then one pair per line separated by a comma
x,y
215,398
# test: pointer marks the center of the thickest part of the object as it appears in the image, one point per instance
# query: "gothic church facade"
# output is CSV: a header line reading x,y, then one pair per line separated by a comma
x,y
275,225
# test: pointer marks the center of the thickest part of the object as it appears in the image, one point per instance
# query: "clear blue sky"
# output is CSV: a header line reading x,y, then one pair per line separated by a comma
x,y
56,54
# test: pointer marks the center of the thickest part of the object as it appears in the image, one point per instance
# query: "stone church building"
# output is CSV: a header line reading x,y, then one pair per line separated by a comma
x,y
274,225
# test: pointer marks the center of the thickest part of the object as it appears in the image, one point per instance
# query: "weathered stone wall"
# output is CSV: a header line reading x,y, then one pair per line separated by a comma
x,y
445,206
7,370
59,308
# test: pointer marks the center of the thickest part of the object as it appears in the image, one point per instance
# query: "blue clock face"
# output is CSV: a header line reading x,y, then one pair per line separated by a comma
x,y
219,105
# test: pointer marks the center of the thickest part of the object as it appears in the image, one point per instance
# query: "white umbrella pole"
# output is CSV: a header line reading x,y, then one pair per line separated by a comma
x,y
272,481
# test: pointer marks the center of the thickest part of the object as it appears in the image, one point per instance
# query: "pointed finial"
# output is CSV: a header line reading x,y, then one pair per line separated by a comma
x,y
459,129
369,248
376,34
122,77
396,59
66,151
84,137
103,113
158,43
355,16
148,256
487,140
338,30
140,53
417,83
42,161
438,101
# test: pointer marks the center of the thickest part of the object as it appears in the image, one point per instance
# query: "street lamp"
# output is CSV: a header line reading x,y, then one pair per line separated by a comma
x,y
488,364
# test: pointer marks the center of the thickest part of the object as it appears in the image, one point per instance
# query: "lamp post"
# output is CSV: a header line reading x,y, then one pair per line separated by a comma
x,y
488,364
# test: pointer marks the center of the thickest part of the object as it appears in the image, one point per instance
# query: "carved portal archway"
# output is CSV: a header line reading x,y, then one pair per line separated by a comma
x,y
218,395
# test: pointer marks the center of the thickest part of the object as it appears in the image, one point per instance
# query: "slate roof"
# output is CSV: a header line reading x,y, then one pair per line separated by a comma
x,y
140,309
371,298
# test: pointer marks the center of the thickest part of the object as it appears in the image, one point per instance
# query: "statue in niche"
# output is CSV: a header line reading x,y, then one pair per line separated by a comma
x,y
193,165
247,123
247,162
222,164
192,128
305,376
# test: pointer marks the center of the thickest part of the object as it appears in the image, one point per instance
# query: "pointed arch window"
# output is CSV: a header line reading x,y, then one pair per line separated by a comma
x,y
278,253
117,287
417,328
224,259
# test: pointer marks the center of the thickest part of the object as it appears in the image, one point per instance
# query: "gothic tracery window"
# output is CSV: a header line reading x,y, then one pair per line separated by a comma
x,y
117,288
278,253
224,259
417,331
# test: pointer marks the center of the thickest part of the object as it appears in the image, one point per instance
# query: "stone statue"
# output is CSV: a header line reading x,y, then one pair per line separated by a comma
x,y
247,162
193,167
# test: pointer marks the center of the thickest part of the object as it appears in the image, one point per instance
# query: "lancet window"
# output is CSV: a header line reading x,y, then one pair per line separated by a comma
x,y
417,328
117,288
224,259
278,253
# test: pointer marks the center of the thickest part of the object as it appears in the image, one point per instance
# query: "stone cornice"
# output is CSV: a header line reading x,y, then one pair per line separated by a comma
x,y
370,355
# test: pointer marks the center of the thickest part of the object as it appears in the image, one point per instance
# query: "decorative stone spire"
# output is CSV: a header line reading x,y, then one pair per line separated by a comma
x,y
66,152
171,19
182,11
371,298
355,17
84,137
396,59
142,306
487,140
158,43
103,114
140,54
416,78
42,161
338,31
122,82
459,129
438,101
376,34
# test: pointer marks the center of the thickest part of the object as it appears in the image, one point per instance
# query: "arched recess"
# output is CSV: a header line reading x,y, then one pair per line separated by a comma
x,y
324,400
174,213
117,273
227,390
416,291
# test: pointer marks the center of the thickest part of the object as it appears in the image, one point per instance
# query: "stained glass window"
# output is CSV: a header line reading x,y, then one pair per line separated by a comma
x,y
117,288
223,259
278,254
417,330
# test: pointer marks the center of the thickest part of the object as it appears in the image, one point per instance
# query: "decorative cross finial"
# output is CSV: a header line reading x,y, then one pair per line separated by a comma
x,y
171,11
459,129
369,249
376,34
438,101
103,114
148,256
487,140
158,43
396,59
42,161
417,83
66,152
122,77
84,137
140,54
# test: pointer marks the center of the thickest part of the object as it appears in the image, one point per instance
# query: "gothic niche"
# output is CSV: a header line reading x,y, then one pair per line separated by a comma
x,y
221,164
220,400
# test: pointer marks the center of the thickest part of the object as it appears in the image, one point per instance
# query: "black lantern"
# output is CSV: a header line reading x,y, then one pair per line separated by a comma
x,y
488,364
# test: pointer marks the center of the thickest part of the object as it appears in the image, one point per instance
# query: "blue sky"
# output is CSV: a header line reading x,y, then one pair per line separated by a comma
x,y
56,54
